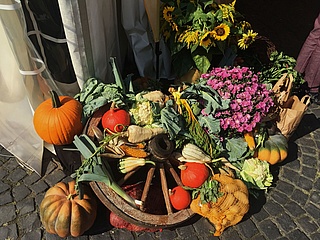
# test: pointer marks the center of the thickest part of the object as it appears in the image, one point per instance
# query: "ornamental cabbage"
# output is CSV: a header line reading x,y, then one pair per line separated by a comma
x,y
256,173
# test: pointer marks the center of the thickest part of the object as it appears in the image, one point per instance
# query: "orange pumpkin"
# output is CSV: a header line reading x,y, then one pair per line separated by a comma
x,y
63,213
58,120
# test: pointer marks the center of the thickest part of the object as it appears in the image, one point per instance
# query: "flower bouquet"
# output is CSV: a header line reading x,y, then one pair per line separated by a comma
x,y
198,30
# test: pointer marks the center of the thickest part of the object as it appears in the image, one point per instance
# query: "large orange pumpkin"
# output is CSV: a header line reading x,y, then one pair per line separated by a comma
x,y
63,213
58,120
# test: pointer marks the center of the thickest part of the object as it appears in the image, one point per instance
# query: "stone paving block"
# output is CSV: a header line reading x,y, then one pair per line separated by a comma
x,y
286,222
300,197
4,187
290,175
261,215
32,235
38,199
31,178
6,198
16,175
9,232
309,172
298,235
25,206
308,149
55,177
39,187
185,231
8,213
315,197
294,209
310,161
11,164
285,188
102,236
145,236
307,224
269,229
3,173
121,234
305,183
247,228
315,236
258,237
313,211
294,165
273,208
202,225
230,233
29,222
166,234
20,192
279,197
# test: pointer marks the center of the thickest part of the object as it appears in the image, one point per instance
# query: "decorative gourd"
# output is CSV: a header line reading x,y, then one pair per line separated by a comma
x,y
229,209
179,198
274,150
58,120
63,213
115,119
193,174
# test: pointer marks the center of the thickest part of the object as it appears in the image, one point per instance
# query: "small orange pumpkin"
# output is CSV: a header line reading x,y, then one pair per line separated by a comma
x,y
63,213
58,120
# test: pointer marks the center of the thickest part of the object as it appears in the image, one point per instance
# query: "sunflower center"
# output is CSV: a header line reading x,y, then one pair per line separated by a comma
x,y
248,40
220,31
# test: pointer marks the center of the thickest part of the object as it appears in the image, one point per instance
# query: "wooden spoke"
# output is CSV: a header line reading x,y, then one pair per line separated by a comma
x,y
147,187
165,189
173,173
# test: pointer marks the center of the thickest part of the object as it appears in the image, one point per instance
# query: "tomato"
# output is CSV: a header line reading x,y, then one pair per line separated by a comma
x,y
179,198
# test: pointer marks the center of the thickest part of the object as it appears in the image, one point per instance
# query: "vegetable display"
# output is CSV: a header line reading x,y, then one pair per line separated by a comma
x,y
58,120
62,212
212,136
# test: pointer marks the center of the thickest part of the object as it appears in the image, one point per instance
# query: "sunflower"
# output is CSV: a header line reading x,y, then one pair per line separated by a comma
x,y
189,37
247,39
221,32
167,13
206,40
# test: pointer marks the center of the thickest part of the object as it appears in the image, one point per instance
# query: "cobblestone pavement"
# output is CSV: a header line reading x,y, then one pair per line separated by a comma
x,y
290,210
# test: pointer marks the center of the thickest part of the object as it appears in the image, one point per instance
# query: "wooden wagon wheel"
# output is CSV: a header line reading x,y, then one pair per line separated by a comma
x,y
120,207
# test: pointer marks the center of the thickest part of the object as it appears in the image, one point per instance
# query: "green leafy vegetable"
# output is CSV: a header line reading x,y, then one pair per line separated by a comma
x,y
209,191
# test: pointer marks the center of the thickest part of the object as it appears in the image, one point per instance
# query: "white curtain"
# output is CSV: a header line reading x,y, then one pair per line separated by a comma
x,y
94,31
24,82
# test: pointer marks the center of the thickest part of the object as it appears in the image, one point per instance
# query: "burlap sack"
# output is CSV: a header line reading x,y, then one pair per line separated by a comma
x,y
291,113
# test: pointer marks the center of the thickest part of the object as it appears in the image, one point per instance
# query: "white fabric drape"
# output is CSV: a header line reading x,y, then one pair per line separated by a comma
x,y
92,33
24,83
